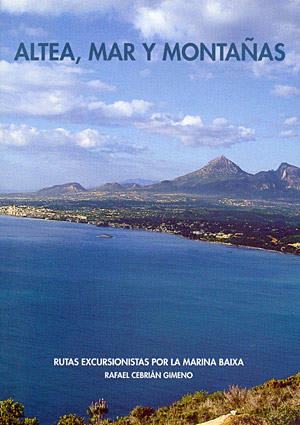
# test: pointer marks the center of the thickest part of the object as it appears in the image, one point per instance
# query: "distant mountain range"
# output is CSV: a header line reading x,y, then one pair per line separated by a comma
x,y
140,182
219,178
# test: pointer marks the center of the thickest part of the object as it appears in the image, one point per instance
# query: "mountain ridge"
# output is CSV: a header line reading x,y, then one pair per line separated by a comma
x,y
220,177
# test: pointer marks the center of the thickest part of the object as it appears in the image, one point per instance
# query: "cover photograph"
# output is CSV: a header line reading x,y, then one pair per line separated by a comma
x,y
149,212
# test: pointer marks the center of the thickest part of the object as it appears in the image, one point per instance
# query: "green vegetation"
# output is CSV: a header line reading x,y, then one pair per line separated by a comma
x,y
12,413
277,402
71,419
253,223
142,414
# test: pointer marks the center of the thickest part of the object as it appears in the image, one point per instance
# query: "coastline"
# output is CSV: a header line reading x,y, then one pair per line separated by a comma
x,y
116,225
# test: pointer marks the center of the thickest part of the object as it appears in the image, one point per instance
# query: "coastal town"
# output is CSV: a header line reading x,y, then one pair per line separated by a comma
x,y
238,223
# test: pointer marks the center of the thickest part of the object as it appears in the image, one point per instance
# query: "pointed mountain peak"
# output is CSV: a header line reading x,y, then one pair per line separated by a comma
x,y
220,158
219,168
221,165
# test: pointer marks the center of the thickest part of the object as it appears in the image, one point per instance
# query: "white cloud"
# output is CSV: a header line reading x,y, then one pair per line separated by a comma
x,y
218,19
265,68
228,21
178,19
30,89
197,20
193,132
154,22
61,140
23,135
68,94
46,77
190,120
288,133
285,91
100,85
292,121
292,60
121,109
16,135
54,7
90,138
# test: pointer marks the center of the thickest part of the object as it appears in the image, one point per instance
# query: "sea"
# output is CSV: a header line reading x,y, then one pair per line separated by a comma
x,y
69,293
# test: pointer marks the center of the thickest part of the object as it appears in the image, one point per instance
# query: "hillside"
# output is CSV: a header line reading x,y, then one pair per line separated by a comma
x,y
61,189
222,177
276,402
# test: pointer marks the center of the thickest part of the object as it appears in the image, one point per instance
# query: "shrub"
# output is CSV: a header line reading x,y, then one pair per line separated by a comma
x,y
142,413
12,413
285,415
97,411
71,419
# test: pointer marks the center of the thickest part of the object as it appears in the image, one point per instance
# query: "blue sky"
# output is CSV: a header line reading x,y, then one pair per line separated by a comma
x,y
95,122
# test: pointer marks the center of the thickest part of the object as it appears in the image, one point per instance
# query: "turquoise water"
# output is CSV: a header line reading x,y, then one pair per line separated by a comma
x,y
66,293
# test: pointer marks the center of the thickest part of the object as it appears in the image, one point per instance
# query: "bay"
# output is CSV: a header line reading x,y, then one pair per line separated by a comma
x,y
68,293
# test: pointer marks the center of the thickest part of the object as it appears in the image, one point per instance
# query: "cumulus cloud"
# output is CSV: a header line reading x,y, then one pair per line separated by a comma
x,y
191,130
228,20
50,91
285,91
199,20
70,94
100,85
121,109
175,19
292,121
36,141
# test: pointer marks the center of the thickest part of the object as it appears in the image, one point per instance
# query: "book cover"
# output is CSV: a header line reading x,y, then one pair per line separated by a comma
x,y
149,198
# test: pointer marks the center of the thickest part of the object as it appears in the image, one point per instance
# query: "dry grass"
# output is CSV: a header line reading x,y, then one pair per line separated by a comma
x,y
261,405
245,420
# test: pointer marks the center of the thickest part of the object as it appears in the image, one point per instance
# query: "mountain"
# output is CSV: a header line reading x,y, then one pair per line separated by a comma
x,y
289,174
218,169
222,177
138,182
131,186
207,180
218,178
116,187
109,187
61,189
